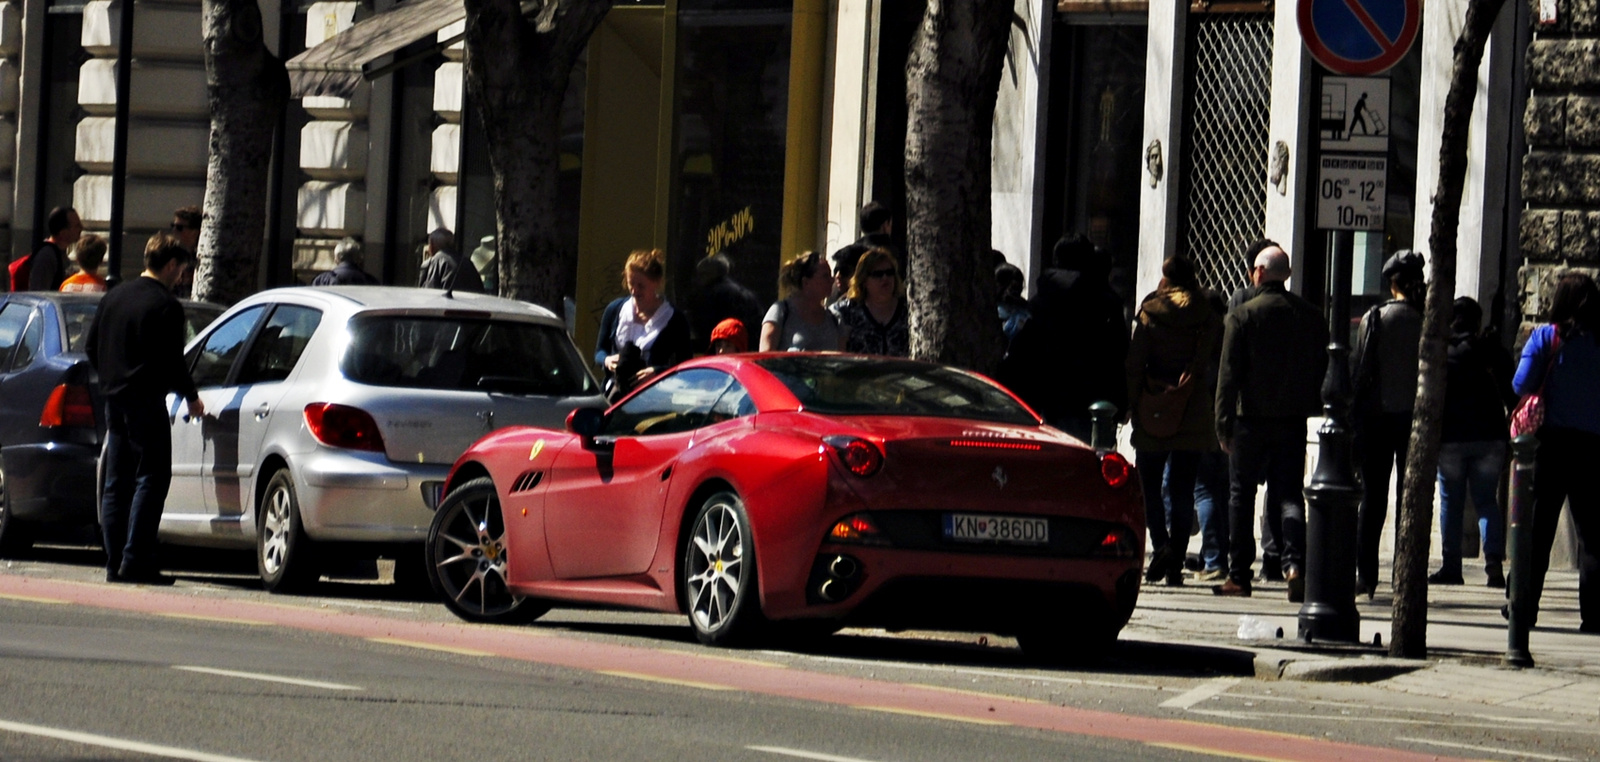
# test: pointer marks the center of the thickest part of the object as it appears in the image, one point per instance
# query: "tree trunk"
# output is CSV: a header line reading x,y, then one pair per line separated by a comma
x,y
952,82
517,69
246,91
1408,637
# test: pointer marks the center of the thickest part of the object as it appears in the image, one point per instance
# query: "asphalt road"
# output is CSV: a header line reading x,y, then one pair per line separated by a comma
x,y
408,681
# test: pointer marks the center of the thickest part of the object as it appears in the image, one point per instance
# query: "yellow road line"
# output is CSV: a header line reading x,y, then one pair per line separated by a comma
x,y
979,694
665,680
731,659
430,647
208,618
931,715
1217,752
30,598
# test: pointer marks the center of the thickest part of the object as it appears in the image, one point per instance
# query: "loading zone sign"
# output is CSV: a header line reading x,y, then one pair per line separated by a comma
x,y
1351,191
1354,114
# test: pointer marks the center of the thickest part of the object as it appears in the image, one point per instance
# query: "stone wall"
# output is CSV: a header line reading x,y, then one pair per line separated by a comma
x,y
1561,171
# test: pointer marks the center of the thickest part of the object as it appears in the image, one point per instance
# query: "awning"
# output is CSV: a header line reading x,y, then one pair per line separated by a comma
x,y
336,66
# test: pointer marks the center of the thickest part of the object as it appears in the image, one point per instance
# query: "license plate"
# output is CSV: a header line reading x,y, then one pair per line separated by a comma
x,y
972,527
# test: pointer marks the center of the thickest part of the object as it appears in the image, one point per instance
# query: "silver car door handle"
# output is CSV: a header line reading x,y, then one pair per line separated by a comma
x,y
263,411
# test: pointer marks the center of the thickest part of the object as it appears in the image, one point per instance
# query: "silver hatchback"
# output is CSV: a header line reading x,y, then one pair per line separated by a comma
x,y
333,415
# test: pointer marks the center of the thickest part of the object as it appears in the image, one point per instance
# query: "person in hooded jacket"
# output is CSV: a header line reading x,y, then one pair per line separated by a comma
x,y
1176,341
1071,352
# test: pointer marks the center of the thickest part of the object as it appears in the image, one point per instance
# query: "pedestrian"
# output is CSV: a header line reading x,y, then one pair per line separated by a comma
x,y
640,334
1072,352
1384,375
1013,307
442,267
347,271
1561,364
730,337
135,345
46,268
1269,381
718,297
798,322
874,316
186,224
877,232
1472,443
1272,514
1176,339
91,252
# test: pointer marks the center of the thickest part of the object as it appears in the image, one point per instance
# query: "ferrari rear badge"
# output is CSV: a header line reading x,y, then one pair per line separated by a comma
x,y
999,477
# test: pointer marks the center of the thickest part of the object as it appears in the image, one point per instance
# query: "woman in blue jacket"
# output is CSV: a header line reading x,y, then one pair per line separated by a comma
x,y
1562,358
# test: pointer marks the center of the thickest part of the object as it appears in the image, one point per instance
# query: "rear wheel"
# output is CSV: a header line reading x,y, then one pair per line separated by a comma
x,y
466,558
718,574
16,537
285,557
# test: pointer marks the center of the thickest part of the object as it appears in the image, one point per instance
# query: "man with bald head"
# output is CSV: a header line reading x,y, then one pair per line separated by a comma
x,y
1273,359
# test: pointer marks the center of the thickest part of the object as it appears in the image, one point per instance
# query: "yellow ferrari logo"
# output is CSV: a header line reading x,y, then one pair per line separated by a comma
x,y
718,565
538,447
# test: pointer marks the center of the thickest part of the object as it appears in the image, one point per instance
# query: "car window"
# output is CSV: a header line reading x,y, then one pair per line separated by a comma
x,y
836,385
214,357
679,402
76,318
13,319
444,352
196,316
279,345
734,403
28,347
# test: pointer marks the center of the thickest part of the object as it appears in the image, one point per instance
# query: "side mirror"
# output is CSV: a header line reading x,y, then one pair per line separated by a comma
x,y
585,422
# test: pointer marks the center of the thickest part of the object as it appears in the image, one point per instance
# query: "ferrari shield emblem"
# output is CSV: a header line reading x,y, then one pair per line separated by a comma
x,y
999,477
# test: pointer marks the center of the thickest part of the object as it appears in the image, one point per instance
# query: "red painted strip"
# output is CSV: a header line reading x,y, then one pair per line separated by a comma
x,y
1361,14
523,644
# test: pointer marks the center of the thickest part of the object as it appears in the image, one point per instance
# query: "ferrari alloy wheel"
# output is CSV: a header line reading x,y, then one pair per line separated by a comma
x,y
466,558
719,573
15,537
285,557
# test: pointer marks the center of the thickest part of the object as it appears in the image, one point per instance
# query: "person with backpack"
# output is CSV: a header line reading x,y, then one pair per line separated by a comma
x,y
46,268
799,322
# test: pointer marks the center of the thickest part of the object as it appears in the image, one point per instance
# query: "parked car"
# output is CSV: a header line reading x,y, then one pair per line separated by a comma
x,y
786,492
333,415
52,424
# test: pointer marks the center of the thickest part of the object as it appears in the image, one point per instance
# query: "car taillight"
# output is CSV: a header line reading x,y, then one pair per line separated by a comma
x,y
343,426
1115,469
862,457
68,405
857,528
1117,543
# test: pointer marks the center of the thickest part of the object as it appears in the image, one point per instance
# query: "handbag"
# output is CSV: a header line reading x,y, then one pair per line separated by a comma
x,y
1162,405
1529,415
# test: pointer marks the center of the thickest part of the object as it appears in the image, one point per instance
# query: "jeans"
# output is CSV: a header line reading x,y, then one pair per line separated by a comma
x,y
1471,468
1153,465
1211,504
138,472
1274,448
1381,448
1563,472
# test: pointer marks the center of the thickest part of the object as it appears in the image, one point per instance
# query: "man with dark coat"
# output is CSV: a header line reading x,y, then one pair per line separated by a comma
x,y
135,345
719,297
49,263
348,271
443,268
1071,353
1269,381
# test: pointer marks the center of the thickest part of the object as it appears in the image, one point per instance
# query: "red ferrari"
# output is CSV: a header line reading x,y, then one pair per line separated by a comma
x,y
787,493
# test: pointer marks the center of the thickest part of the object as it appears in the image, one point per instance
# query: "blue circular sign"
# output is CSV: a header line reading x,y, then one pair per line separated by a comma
x,y
1359,37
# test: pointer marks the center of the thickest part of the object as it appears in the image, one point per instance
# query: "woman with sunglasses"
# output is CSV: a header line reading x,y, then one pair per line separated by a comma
x,y
873,313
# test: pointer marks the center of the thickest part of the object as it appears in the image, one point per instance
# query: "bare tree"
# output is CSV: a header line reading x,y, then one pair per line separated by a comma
x,y
517,72
952,83
246,91
1408,636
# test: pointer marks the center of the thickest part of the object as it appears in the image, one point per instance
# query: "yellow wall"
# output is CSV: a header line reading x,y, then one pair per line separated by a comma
x,y
802,153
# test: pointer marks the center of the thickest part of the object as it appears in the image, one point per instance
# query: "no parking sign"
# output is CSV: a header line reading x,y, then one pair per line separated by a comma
x,y
1359,37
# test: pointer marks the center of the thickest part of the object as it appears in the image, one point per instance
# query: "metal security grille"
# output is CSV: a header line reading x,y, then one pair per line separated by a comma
x,y
1227,105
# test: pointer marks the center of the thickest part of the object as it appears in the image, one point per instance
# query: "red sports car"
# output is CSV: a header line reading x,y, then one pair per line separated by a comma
x,y
773,493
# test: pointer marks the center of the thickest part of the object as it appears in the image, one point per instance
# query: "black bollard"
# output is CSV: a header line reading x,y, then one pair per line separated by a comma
x,y
1520,546
1103,427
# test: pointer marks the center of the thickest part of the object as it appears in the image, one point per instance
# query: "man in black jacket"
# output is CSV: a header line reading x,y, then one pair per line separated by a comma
x,y
1273,360
136,346
348,271
49,264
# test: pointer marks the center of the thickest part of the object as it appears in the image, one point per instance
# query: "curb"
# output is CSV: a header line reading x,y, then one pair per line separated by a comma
x,y
1287,665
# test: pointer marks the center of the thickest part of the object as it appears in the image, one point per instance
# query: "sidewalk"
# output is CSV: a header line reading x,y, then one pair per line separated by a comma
x,y
1466,639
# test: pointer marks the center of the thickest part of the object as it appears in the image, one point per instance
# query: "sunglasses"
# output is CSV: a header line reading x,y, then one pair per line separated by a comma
x,y
887,273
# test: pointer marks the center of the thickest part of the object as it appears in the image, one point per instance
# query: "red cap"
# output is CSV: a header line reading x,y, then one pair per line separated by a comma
x,y
732,330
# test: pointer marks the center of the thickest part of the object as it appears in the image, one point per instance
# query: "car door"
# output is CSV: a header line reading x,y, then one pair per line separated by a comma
x,y
248,402
211,365
21,333
604,506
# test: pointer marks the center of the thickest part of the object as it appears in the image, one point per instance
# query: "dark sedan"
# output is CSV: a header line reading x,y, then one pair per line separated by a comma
x,y
51,423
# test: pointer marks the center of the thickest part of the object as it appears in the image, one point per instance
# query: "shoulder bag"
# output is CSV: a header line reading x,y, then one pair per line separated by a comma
x,y
1529,415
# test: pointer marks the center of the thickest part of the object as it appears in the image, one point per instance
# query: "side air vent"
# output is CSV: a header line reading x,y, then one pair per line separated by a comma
x,y
527,481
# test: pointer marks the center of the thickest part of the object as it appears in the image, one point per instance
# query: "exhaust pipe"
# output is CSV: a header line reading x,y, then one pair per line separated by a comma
x,y
833,591
843,567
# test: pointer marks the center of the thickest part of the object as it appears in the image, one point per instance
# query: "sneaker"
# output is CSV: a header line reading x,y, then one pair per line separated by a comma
x,y
1159,561
1211,575
1497,578
1443,577
1232,589
1297,585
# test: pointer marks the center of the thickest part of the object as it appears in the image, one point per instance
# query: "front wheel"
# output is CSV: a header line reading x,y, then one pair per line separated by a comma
x,y
718,574
285,556
466,558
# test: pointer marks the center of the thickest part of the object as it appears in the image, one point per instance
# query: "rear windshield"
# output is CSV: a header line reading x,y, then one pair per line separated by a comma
x,y
874,386
78,315
451,353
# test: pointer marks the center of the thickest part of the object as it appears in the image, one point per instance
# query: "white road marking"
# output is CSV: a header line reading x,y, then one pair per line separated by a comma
x,y
1490,749
979,672
803,754
90,739
269,678
1200,693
